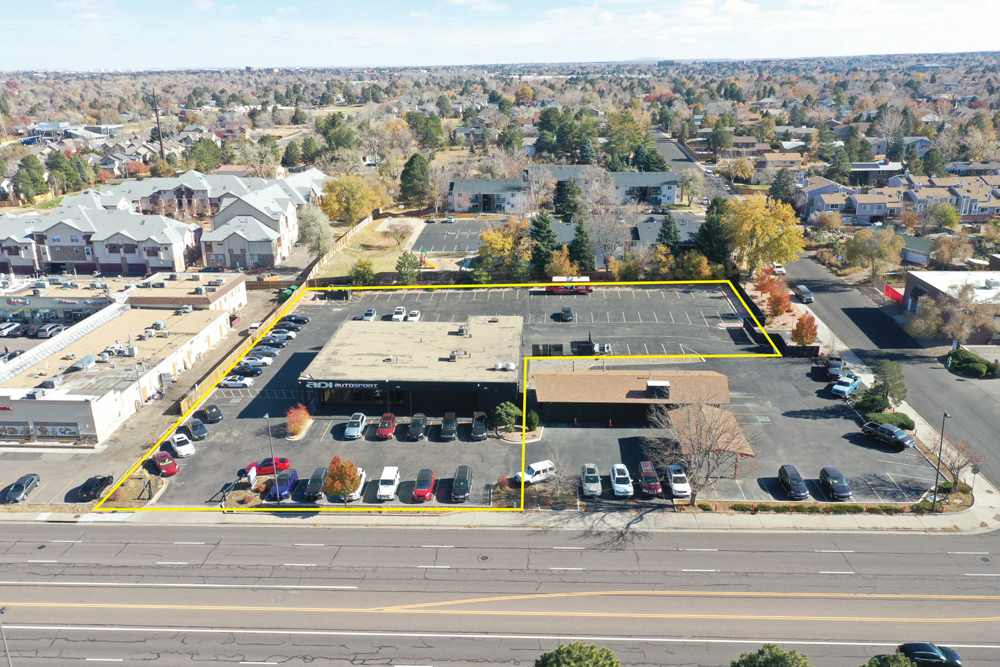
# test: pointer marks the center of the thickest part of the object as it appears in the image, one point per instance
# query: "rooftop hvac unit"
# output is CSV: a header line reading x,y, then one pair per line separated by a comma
x,y
98,285
992,283
38,292
210,289
657,388
36,393
131,351
160,324
143,285
84,363
104,357
149,333
510,366
186,309
215,282
173,276
453,356
199,290
498,366
196,276
55,280
53,382
165,333
160,284
40,284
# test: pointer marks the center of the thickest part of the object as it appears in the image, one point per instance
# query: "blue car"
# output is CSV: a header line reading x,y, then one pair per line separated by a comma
x,y
283,485
845,385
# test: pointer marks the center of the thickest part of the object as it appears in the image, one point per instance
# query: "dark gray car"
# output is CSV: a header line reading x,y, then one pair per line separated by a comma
x,y
793,483
449,426
418,426
835,484
461,485
314,489
22,487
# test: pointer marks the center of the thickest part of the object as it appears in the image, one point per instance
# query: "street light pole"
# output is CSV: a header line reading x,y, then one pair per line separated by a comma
x,y
3,634
937,476
274,462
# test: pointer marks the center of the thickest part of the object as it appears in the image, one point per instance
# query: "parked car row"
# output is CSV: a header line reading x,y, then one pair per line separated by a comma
x,y
387,483
398,315
647,478
17,329
418,429
181,443
92,489
263,354
830,479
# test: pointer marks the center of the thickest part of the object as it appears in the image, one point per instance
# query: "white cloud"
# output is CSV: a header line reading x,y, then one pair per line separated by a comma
x,y
91,16
85,4
419,15
650,16
268,19
740,7
228,8
607,16
204,6
286,10
478,5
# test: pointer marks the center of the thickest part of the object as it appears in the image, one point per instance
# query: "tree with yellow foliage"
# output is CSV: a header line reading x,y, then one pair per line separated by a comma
x,y
661,263
560,264
353,198
692,265
523,94
504,246
762,231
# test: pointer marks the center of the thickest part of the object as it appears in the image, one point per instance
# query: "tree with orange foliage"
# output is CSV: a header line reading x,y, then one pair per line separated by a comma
x,y
298,418
778,302
342,479
104,175
805,330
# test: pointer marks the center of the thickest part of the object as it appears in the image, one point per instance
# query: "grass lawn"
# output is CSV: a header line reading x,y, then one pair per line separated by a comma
x,y
753,187
52,203
381,250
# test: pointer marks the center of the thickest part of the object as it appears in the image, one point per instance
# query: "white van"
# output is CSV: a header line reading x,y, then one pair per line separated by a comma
x,y
388,482
537,472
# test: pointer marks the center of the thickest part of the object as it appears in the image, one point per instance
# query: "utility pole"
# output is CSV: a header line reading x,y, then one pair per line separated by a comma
x,y
937,475
6,651
156,110
274,461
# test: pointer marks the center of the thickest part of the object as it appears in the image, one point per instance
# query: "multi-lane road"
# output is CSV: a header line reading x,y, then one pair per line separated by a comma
x,y
294,595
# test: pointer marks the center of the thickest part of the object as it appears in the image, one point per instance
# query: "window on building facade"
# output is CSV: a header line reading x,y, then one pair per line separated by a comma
x,y
56,239
74,238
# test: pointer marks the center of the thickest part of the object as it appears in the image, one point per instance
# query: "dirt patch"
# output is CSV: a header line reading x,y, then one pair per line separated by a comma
x,y
245,496
133,492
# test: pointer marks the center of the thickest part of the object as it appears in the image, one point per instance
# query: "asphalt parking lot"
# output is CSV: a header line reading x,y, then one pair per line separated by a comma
x,y
790,417
633,321
459,236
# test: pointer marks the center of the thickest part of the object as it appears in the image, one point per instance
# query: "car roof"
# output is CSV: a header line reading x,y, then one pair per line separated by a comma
x,y
357,415
449,415
463,471
831,471
317,474
425,474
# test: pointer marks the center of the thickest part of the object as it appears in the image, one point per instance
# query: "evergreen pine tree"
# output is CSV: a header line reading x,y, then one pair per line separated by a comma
x,y
640,156
711,240
669,235
545,241
654,162
292,155
615,163
580,251
783,186
567,201
587,153
414,182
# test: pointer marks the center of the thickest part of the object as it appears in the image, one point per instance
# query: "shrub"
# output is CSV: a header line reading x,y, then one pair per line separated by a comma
x,y
962,356
946,487
872,402
900,419
847,508
503,483
963,488
813,509
888,509
875,510
706,507
975,370
799,509
924,507
740,507
766,508
531,421
298,417
992,371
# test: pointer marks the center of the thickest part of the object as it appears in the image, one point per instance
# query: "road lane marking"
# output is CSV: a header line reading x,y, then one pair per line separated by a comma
x,y
305,544
437,546
699,570
573,548
434,567
171,562
66,541
981,575
145,585
565,568
441,635
43,561
971,553
699,549
188,542
834,572
299,565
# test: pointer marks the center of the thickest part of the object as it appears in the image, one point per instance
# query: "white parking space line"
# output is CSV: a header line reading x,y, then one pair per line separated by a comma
x,y
304,544
646,349
43,561
640,316
434,567
66,541
970,553
671,313
874,491
655,318
907,465
60,493
704,318
688,317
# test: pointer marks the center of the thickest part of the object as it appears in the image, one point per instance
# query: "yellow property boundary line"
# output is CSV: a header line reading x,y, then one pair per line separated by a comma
x,y
302,291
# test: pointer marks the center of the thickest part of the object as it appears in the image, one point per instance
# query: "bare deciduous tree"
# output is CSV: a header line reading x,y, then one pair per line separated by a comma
x,y
709,441
958,456
396,230
609,221
890,125
259,158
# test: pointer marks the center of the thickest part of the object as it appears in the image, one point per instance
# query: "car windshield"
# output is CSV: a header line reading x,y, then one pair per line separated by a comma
x,y
620,478
354,423
591,479
899,433
795,480
838,480
17,487
385,424
283,478
679,479
650,479
448,423
480,422
385,482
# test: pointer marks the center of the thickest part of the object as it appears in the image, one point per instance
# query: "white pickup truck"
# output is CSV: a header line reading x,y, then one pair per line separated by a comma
x,y
388,482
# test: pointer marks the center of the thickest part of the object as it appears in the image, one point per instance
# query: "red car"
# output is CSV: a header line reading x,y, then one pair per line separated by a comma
x,y
270,466
423,490
165,464
386,427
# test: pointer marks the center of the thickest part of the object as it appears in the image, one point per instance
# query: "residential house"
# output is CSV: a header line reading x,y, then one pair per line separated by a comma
x,y
874,173
847,130
656,188
235,132
275,207
811,187
244,241
920,144
484,195
973,168
878,144
917,250
869,208
834,201
976,201
921,198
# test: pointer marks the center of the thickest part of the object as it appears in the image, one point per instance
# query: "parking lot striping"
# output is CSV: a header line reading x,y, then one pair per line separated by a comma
x,y
623,318
836,572
874,491
688,318
971,553
704,318
66,541
434,567
119,660
699,549
70,483
640,316
974,574
119,584
43,561
907,465
646,349
254,662
833,551
171,562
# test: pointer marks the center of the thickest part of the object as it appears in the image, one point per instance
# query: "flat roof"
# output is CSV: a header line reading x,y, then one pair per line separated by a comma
x,y
174,293
101,377
945,280
420,351
624,386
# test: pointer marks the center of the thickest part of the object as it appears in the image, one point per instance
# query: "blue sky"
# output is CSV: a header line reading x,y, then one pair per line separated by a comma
x,y
75,34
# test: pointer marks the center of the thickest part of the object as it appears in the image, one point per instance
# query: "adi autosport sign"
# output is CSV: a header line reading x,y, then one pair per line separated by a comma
x,y
325,384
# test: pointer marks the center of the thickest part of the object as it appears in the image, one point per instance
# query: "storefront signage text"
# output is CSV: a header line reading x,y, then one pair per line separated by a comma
x,y
5,407
340,385
66,302
94,303
18,302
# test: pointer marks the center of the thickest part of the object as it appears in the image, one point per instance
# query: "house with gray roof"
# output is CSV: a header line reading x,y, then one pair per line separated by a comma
x,y
244,241
917,250
484,195
275,207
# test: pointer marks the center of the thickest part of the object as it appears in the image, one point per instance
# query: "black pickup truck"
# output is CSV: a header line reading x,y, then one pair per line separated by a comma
x,y
889,434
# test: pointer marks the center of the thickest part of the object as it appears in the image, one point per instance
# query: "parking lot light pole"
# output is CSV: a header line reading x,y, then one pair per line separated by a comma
x,y
937,477
3,634
274,462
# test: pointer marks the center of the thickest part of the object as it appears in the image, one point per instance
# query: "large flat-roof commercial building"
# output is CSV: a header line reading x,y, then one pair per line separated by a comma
x,y
408,367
